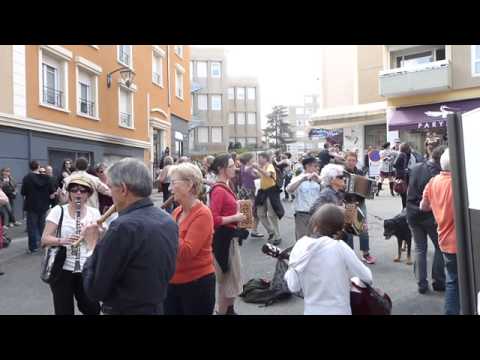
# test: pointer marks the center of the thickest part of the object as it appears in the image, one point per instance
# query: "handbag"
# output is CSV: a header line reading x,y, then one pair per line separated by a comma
x,y
53,258
400,186
369,301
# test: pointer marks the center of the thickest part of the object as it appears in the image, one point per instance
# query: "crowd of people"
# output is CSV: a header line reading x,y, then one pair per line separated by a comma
x,y
149,261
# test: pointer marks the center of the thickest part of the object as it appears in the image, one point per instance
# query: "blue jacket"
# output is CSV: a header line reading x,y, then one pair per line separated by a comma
x,y
131,266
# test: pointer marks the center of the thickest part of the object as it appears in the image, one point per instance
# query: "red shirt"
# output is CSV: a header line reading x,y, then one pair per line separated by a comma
x,y
439,194
194,256
223,202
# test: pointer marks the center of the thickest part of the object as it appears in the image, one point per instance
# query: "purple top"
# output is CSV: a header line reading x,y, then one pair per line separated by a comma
x,y
247,178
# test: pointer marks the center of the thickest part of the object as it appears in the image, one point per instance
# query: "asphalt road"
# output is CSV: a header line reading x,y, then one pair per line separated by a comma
x,y
22,291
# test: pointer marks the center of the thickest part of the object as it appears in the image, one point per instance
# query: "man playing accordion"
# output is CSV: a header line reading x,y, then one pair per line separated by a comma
x,y
333,180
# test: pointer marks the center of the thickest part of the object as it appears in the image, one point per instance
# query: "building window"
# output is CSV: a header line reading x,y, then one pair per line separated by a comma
x,y
252,119
203,135
240,118
252,141
191,70
126,108
125,55
157,69
308,100
86,93
179,50
216,70
179,83
251,93
241,94
475,60
202,102
231,94
308,111
241,141
52,95
231,118
201,69
216,102
300,111
217,135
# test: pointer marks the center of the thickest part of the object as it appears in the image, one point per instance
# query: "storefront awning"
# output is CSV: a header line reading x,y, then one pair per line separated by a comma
x,y
340,117
414,117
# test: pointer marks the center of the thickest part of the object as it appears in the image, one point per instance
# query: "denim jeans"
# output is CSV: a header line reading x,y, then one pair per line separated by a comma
x,y
420,230
452,300
35,226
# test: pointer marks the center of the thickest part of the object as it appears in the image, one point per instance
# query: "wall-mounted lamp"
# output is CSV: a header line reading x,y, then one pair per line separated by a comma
x,y
126,74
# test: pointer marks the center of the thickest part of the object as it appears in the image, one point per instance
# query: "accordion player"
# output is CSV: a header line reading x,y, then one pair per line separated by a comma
x,y
357,189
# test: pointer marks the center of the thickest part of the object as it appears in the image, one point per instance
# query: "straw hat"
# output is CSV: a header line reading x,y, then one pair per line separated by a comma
x,y
80,179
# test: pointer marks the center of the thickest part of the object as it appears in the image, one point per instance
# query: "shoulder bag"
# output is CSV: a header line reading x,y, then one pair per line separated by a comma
x,y
53,258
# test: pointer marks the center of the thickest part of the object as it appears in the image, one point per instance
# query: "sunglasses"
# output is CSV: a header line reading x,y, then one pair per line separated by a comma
x,y
77,189
341,177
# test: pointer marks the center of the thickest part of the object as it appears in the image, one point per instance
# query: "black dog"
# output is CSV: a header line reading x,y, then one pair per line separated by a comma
x,y
398,227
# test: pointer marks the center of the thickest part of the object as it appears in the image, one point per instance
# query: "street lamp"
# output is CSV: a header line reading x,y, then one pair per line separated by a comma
x,y
126,74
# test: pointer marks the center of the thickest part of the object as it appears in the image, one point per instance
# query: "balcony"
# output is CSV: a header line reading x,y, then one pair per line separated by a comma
x,y
87,107
125,120
52,96
417,79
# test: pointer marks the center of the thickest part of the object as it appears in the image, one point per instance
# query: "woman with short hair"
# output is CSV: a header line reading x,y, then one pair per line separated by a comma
x,y
333,183
321,266
191,291
226,216
70,284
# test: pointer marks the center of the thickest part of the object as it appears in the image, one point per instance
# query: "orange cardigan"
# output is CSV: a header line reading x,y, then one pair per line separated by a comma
x,y
194,256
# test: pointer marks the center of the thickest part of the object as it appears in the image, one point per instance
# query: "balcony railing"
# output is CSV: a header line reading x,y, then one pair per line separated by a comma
x,y
87,107
52,96
157,78
124,57
126,119
410,80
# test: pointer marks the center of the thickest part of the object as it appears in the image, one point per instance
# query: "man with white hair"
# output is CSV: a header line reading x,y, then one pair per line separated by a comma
x,y
438,198
131,266
333,179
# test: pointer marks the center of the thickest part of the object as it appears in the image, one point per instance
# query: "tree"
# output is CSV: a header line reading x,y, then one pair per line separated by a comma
x,y
278,133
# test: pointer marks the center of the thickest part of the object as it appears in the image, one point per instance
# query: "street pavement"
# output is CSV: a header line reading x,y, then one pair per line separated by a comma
x,y
22,291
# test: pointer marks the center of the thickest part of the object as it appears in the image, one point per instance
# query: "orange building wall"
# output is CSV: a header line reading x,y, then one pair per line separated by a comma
x,y
106,58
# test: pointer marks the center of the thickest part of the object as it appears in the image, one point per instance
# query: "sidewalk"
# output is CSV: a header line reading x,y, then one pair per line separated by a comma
x,y
19,237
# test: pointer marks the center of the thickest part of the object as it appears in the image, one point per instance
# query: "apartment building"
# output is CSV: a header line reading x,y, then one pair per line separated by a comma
x,y
417,80
299,120
244,123
102,102
208,129
350,100
225,110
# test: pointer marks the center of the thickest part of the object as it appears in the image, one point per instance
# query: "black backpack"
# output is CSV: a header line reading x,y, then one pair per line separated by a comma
x,y
260,291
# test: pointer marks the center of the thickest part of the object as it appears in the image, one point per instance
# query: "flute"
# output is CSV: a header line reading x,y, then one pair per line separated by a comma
x,y
101,220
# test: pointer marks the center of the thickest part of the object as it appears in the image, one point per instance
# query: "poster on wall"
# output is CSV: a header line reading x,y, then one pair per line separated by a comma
x,y
471,129
374,164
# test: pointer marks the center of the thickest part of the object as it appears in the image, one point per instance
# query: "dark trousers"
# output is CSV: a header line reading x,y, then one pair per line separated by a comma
x,y
404,200
420,230
35,226
68,287
193,298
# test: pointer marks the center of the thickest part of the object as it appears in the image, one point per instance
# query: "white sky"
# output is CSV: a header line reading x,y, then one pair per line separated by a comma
x,y
285,72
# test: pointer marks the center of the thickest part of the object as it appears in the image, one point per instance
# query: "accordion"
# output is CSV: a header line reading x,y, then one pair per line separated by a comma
x,y
246,208
360,185
354,219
